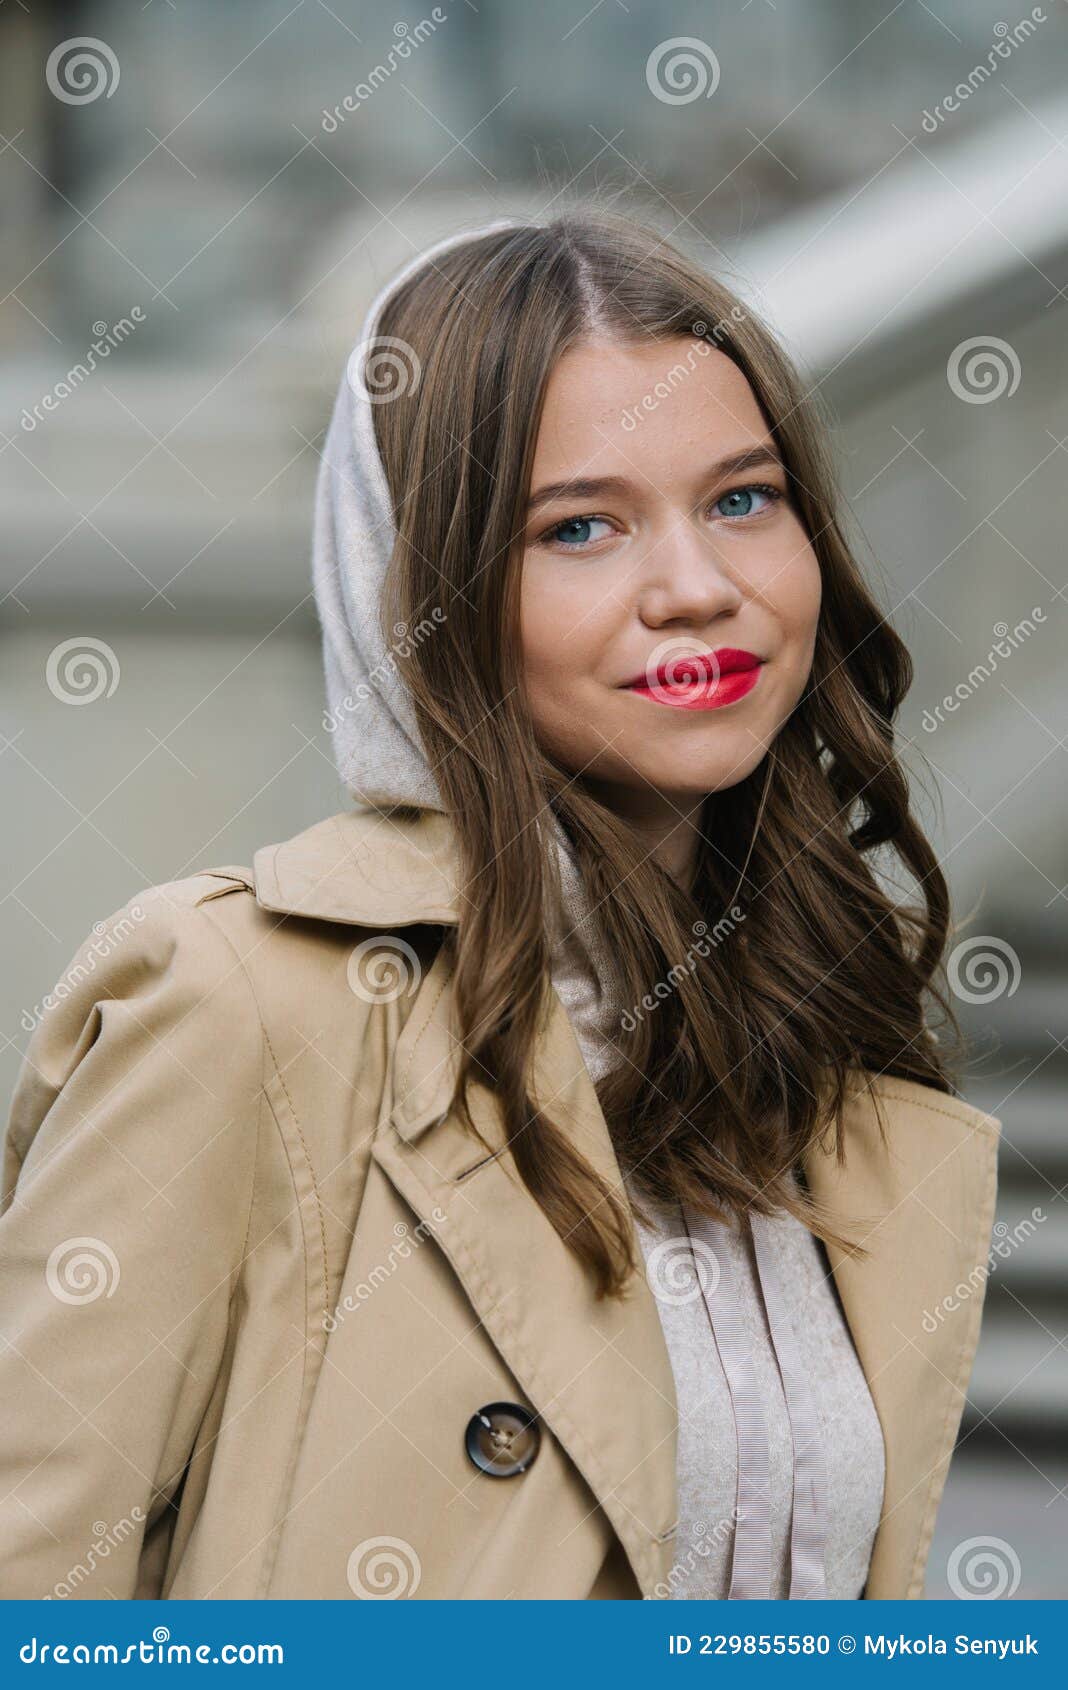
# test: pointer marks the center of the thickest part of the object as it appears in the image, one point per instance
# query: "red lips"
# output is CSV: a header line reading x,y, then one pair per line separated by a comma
x,y
697,667
703,680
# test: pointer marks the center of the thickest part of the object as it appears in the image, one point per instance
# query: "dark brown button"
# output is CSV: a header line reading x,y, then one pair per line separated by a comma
x,y
503,1439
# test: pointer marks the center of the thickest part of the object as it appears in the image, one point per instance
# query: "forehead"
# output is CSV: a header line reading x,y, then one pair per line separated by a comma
x,y
610,405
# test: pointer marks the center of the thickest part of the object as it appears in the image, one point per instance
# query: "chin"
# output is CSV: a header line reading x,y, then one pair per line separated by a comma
x,y
686,789
689,773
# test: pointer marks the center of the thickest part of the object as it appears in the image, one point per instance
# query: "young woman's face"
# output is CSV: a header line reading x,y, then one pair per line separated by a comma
x,y
644,550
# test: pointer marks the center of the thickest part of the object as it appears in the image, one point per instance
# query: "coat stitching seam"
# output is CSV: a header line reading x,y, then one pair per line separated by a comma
x,y
985,1122
423,1030
311,1169
964,1364
255,1177
281,1512
271,1553
239,1264
281,1080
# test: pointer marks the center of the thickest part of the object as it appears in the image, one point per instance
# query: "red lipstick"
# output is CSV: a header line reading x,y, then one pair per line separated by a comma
x,y
704,680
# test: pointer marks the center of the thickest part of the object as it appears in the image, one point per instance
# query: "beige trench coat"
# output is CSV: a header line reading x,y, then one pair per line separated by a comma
x,y
256,1280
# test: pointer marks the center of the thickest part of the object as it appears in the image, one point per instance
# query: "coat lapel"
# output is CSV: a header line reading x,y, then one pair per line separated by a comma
x,y
922,1204
597,1372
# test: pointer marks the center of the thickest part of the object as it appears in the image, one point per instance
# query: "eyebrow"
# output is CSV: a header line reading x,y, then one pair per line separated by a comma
x,y
754,457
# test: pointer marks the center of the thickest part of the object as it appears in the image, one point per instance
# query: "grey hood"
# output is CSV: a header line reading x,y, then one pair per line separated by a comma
x,y
376,741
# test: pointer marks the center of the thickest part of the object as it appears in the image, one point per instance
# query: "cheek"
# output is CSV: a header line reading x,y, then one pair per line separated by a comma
x,y
560,628
535,626
791,586
565,628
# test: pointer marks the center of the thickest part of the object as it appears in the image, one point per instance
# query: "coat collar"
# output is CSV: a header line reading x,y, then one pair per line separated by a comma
x,y
919,1197
368,867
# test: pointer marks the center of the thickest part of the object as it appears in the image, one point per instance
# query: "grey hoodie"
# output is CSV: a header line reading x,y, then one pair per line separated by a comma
x,y
376,742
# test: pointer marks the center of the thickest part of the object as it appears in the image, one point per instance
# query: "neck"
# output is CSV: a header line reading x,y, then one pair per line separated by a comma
x,y
675,845
669,830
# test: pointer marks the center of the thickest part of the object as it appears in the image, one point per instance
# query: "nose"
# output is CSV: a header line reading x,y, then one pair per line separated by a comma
x,y
684,579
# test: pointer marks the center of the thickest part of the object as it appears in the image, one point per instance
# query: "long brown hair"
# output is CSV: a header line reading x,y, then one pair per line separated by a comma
x,y
722,1090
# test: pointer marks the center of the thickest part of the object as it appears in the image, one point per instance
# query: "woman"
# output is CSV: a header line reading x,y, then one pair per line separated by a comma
x,y
533,1182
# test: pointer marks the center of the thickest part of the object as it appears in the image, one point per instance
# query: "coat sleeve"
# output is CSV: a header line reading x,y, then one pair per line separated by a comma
x,y
129,1163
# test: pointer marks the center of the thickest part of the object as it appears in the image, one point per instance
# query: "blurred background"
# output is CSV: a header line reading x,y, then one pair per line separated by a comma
x,y
198,200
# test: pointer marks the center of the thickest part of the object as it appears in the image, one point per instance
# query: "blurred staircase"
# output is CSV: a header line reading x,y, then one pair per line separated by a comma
x,y
1021,1371
1009,1478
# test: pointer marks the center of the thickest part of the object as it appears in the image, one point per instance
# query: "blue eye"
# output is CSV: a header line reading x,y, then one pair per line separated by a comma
x,y
577,531
740,499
